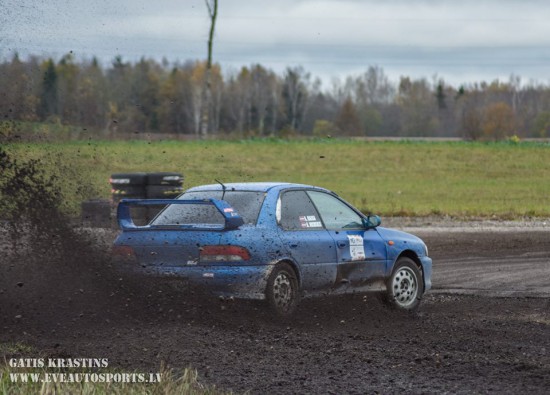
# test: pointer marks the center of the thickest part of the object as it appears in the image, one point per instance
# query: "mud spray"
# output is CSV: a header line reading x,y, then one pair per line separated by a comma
x,y
56,276
47,266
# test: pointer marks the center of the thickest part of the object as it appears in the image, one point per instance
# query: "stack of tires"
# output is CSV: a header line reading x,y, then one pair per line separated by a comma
x,y
162,185
128,186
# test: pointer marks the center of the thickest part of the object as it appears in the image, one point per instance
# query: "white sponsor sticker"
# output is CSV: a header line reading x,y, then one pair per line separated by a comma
x,y
309,221
356,247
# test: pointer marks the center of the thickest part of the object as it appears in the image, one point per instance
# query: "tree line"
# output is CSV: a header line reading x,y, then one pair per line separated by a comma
x,y
160,97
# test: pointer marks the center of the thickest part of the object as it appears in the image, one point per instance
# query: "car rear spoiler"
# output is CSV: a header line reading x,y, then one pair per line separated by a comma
x,y
232,219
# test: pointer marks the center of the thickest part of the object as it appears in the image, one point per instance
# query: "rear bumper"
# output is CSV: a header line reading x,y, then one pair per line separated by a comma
x,y
245,282
427,272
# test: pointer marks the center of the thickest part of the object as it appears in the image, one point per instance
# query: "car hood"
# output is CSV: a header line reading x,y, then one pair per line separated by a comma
x,y
397,235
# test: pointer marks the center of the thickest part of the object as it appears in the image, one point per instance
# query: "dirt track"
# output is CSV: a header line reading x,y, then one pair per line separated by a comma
x,y
463,340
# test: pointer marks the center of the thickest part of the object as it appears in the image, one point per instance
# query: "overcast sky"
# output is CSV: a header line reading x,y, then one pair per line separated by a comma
x,y
461,41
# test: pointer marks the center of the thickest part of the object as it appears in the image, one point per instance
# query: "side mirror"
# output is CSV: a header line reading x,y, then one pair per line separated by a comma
x,y
372,221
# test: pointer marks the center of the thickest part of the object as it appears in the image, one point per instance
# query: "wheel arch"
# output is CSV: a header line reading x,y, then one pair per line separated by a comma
x,y
414,257
294,267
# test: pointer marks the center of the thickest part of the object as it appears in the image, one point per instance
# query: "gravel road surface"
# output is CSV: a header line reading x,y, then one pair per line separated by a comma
x,y
485,328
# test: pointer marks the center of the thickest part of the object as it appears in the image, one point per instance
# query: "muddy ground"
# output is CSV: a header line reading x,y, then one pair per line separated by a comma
x,y
485,328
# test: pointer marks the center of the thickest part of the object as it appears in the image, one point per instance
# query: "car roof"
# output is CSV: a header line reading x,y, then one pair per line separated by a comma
x,y
252,186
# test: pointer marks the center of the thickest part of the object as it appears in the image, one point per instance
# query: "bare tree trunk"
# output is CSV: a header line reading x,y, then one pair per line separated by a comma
x,y
275,111
207,87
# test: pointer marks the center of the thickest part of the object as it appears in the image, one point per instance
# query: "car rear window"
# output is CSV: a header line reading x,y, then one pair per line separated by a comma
x,y
246,203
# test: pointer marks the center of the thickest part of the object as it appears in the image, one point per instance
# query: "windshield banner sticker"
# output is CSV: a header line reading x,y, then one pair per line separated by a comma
x,y
356,247
309,221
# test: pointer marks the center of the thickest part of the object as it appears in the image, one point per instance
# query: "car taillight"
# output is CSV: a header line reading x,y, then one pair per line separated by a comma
x,y
125,253
223,253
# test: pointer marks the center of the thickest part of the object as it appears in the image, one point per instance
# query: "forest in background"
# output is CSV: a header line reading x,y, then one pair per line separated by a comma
x,y
147,96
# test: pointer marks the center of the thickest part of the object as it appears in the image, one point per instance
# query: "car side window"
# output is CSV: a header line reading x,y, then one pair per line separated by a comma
x,y
335,213
297,212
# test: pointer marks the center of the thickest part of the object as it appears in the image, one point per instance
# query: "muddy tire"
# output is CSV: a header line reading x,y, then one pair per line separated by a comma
x,y
405,287
163,191
128,186
282,291
128,192
126,179
165,178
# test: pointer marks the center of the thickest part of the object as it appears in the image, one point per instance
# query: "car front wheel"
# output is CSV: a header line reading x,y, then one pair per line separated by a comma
x,y
405,286
282,291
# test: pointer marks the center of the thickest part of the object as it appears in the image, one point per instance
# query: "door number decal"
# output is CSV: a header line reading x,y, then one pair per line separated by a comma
x,y
356,248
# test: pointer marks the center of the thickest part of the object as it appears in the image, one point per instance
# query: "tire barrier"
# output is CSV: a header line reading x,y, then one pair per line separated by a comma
x,y
128,185
165,178
123,179
163,191
130,192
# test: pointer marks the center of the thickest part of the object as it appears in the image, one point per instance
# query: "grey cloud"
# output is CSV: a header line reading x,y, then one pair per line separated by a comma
x,y
466,39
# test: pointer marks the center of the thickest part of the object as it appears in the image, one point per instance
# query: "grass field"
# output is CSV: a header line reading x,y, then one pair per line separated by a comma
x,y
462,179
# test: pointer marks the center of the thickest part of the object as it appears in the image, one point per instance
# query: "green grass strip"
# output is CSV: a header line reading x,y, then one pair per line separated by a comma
x,y
505,180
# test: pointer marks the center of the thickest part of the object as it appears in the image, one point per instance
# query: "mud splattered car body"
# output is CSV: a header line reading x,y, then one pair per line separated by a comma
x,y
275,241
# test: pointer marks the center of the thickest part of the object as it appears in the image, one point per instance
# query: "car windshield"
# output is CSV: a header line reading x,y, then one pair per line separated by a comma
x,y
246,203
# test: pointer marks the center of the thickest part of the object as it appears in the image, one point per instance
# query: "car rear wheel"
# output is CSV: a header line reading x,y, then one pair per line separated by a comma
x,y
282,293
405,286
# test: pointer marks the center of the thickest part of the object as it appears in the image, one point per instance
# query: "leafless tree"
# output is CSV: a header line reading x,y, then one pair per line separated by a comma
x,y
212,6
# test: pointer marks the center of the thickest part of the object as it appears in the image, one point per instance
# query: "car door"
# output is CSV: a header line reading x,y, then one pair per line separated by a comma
x,y
361,252
306,240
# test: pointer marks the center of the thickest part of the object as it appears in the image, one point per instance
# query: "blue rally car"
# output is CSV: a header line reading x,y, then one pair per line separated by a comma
x,y
275,241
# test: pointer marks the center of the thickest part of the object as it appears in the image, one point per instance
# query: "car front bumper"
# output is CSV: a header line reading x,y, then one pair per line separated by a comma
x,y
427,272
